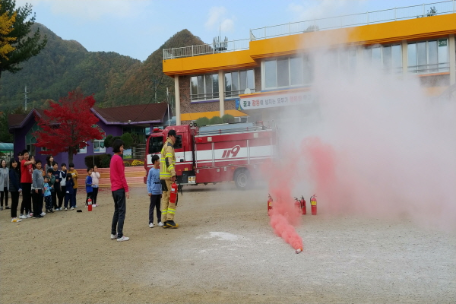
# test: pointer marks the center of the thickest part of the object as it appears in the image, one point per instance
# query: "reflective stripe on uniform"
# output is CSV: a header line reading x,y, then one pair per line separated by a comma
x,y
170,210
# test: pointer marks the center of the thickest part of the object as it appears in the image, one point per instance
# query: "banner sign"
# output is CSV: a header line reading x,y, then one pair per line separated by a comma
x,y
272,100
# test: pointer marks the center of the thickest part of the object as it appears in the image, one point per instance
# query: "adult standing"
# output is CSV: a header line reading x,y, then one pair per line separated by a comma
x,y
167,177
119,189
26,182
14,188
4,184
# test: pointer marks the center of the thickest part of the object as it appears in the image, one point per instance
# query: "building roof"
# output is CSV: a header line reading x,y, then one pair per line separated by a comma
x,y
133,114
143,114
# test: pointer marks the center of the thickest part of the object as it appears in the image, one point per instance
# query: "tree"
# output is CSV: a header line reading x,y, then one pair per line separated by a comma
x,y
68,125
6,27
25,44
5,135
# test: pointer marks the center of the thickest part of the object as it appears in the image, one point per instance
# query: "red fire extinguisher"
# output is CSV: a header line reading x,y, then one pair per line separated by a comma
x,y
313,204
173,193
297,203
269,203
303,205
89,204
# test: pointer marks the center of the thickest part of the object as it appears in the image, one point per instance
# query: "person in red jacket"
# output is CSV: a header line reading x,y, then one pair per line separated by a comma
x,y
119,189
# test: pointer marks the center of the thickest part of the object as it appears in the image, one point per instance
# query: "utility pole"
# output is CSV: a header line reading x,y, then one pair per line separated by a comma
x,y
25,101
167,101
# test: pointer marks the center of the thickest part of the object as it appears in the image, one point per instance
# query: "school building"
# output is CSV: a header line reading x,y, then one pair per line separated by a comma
x,y
271,70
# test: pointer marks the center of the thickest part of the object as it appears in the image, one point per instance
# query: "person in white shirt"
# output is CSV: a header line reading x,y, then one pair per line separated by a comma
x,y
95,185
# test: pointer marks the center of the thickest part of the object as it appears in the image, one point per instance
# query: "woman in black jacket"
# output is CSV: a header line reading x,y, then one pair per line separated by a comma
x,y
14,188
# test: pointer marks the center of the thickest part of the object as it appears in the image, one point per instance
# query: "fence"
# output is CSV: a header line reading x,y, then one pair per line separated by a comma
x,y
393,14
204,49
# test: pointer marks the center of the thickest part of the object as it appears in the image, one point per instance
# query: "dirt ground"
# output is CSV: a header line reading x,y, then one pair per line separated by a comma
x,y
223,252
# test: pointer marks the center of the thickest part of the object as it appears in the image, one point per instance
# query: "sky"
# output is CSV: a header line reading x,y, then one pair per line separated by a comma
x,y
136,28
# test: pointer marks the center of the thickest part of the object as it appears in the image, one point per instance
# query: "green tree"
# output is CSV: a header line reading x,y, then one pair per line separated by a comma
x,y
127,140
5,135
227,118
26,44
202,121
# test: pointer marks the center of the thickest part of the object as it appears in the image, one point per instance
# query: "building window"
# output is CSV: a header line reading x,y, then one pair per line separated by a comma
x,y
428,57
98,146
237,82
81,151
204,87
30,140
389,57
287,72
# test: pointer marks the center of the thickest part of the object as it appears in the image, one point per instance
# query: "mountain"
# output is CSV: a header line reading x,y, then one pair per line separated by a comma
x,y
64,65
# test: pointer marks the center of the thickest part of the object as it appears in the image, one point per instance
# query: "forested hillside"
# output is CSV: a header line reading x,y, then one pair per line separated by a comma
x,y
65,65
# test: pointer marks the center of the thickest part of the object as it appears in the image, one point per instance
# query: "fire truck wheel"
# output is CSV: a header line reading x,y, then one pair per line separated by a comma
x,y
242,178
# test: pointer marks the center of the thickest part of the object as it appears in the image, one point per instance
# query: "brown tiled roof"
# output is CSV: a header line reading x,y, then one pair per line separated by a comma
x,y
134,113
14,120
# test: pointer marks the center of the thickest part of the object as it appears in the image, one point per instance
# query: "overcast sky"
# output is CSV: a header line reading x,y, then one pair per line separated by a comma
x,y
136,28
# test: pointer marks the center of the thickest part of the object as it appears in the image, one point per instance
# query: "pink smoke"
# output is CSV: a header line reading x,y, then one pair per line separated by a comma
x,y
284,215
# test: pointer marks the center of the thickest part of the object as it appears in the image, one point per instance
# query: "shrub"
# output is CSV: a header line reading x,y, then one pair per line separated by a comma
x,y
202,121
127,163
227,118
215,120
137,162
100,160
127,140
105,160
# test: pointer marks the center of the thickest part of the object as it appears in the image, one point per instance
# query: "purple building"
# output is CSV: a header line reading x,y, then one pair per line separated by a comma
x,y
112,121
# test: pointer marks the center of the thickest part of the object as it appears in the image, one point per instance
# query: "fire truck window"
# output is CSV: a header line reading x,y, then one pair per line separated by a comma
x,y
155,144
178,144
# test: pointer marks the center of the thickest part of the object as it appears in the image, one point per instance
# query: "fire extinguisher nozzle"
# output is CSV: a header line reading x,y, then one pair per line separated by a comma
x,y
299,250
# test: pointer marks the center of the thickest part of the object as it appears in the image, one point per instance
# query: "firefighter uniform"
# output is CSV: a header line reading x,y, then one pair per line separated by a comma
x,y
167,171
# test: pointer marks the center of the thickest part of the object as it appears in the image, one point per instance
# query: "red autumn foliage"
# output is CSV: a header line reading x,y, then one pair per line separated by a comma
x,y
67,125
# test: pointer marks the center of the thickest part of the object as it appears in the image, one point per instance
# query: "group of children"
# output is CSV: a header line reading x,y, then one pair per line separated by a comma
x,y
56,187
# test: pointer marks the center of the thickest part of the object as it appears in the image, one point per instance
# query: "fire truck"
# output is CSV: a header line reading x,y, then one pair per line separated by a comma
x,y
216,153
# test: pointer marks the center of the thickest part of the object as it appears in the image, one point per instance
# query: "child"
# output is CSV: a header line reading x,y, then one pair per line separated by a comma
x,y
95,184
51,177
63,174
47,194
154,188
74,175
89,188
15,189
69,191
57,197
37,191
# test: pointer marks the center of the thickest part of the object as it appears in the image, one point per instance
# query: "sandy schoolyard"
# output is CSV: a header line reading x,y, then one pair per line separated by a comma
x,y
223,252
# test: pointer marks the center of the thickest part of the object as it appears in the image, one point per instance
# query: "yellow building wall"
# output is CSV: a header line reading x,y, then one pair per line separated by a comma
x,y
390,32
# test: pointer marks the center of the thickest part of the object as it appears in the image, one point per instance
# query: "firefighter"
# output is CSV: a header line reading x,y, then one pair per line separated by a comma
x,y
167,178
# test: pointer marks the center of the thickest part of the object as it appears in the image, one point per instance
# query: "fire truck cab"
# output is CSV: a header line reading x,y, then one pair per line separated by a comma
x,y
217,153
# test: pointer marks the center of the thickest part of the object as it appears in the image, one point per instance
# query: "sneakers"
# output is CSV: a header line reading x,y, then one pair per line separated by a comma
x,y
160,224
113,236
66,209
72,208
22,216
37,216
122,239
58,209
151,225
94,205
29,215
7,207
43,214
16,220
170,224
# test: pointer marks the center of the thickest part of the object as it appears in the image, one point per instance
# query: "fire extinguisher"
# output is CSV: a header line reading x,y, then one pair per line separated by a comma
x,y
269,203
313,204
303,205
89,204
297,203
173,193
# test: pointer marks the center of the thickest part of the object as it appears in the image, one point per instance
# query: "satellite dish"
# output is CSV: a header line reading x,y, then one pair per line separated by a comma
x,y
247,91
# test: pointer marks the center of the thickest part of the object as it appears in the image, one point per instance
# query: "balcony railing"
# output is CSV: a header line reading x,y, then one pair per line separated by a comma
x,y
393,14
204,49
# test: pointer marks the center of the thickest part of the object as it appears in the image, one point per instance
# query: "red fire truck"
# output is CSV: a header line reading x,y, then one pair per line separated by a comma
x,y
217,153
